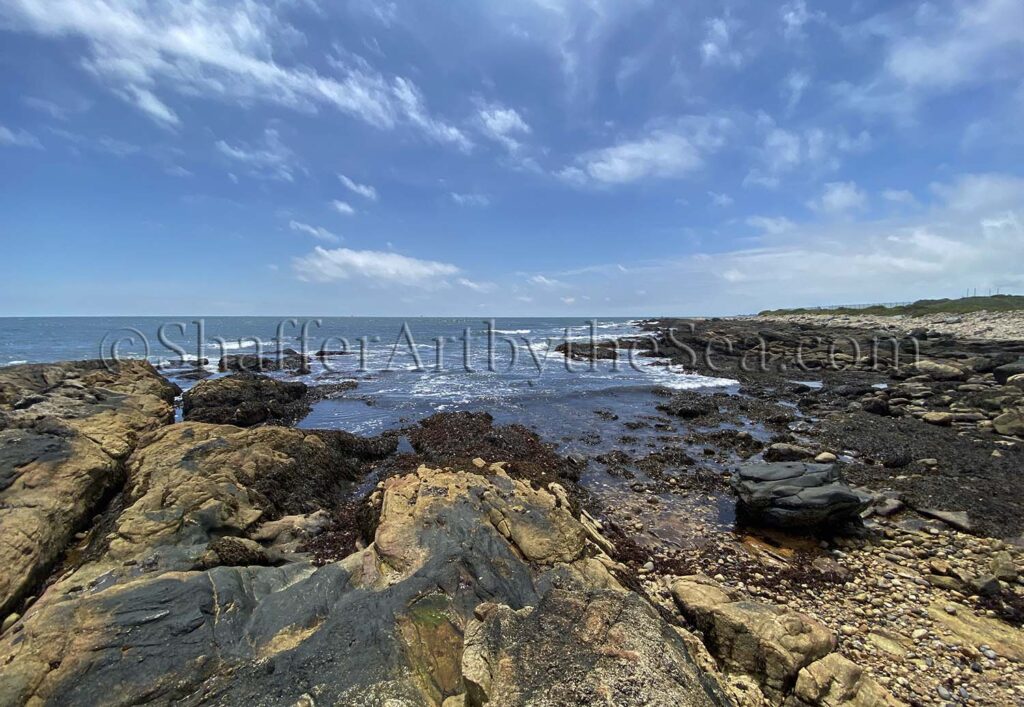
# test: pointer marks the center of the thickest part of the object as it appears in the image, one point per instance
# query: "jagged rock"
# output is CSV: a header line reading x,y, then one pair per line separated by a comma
x,y
246,399
69,427
835,681
796,494
386,625
769,643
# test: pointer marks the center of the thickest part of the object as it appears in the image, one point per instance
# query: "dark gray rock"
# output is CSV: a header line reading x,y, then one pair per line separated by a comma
x,y
245,399
796,495
1003,373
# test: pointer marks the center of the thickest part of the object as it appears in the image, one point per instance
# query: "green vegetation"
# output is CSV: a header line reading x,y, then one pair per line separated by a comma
x,y
994,303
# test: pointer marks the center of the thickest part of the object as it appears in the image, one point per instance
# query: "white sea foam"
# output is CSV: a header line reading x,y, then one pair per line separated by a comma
x,y
511,331
15,363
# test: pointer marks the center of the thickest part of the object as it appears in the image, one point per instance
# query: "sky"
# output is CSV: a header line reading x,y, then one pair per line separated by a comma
x,y
506,158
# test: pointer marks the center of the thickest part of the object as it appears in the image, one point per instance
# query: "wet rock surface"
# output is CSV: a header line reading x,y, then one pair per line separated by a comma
x,y
68,428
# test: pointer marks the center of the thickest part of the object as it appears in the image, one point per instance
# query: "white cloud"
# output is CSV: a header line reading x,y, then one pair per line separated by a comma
x,y
717,45
839,198
343,207
18,138
317,232
271,159
363,190
899,196
795,17
503,125
382,267
220,51
979,193
481,287
946,46
664,152
784,151
970,42
771,225
722,200
177,171
546,282
796,83
568,300
471,199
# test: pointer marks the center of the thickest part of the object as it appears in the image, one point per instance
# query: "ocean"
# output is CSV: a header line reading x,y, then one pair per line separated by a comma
x,y
406,369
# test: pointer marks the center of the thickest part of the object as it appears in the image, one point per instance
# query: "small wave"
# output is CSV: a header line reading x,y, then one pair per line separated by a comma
x,y
511,331
15,363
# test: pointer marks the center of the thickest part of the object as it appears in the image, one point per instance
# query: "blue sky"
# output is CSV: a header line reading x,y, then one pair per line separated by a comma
x,y
536,157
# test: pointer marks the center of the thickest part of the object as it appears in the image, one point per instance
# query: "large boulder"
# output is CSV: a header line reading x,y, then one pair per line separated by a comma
x,y
1003,373
835,681
398,623
796,495
246,399
772,644
68,428
287,360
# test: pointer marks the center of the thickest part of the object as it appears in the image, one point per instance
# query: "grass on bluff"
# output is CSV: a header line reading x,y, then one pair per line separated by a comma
x,y
964,305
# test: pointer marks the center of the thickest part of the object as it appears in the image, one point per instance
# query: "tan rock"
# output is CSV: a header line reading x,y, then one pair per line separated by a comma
x,y
70,426
835,681
769,643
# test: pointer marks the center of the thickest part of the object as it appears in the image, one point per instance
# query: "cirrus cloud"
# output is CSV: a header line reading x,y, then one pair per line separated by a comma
x,y
382,267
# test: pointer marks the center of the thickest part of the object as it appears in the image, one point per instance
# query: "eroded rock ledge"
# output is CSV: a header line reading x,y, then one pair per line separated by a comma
x,y
65,432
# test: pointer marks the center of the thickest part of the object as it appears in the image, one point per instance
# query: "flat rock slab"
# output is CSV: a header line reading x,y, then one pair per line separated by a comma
x,y
796,494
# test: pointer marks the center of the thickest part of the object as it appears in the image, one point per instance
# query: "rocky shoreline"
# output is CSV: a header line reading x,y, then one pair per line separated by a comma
x,y
230,559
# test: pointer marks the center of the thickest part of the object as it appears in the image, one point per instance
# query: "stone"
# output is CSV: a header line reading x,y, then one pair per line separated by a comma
x,y
835,681
9,622
783,452
942,419
1010,423
875,406
245,400
939,371
287,360
796,495
1017,381
956,519
1003,567
825,458
1002,374
769,643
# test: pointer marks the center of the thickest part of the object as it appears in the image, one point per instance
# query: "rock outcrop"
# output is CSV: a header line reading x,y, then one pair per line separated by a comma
x,y
796,494
788,655
476,587
246,399
66,431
